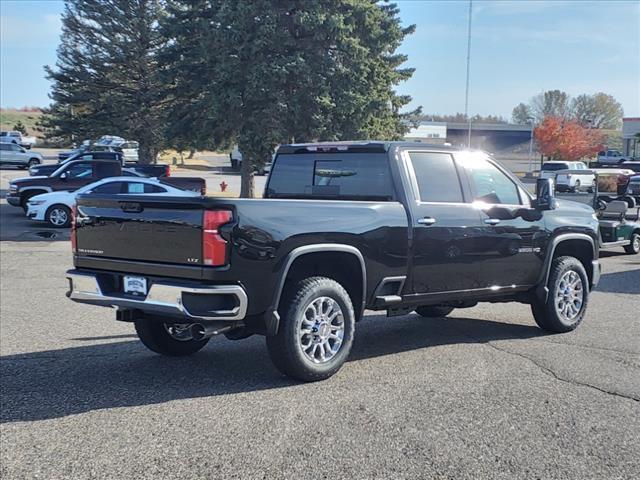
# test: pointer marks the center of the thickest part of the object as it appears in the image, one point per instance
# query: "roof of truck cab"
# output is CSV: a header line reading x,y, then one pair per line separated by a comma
x,y
364,145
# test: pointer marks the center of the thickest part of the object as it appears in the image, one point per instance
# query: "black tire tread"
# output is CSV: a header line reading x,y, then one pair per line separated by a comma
x,y
282,352
544,313
629,248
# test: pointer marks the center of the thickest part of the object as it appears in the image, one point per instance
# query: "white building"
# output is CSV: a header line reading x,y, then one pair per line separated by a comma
x,y
428,132
630,140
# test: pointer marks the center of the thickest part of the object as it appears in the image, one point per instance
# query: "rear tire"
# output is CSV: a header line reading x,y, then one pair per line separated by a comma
x,y
568,296
32,163
316,330
430,311
634,247
156,336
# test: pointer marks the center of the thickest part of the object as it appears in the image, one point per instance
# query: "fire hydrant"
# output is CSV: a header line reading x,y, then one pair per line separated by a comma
x,y
223,186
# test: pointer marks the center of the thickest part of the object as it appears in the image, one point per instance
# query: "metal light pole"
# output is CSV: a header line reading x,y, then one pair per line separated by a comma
x,y
466,97
531,119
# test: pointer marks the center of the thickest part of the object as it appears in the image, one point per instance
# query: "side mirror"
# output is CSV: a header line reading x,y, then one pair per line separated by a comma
x,y
545,199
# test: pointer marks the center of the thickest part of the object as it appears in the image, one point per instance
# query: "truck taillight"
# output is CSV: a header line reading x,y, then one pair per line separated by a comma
x,y
74,232
167,170
214,247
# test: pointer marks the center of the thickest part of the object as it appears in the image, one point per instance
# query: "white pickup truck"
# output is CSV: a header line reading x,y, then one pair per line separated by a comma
x,y
569,176
13,136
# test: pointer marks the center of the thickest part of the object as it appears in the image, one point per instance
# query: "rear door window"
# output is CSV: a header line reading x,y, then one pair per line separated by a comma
x,y
437,177
140,187
110,188
354,176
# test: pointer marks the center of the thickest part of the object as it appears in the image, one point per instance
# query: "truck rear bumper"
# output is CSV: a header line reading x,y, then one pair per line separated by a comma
x,y
211,302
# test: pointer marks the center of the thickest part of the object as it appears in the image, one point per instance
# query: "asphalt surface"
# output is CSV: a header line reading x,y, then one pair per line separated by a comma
x,y
480,394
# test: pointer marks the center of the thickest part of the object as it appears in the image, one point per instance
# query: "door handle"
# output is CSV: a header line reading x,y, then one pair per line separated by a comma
x,y
492,221
426,221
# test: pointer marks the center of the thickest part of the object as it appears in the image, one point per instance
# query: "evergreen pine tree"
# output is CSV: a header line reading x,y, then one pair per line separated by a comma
x,y
106,76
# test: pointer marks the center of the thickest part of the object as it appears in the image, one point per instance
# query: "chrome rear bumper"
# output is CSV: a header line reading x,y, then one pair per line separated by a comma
x,y
163,298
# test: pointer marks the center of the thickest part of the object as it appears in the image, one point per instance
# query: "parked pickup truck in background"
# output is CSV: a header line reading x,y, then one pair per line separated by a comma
x,y
13,136
569,176
612,156
77,173
148,170
392,226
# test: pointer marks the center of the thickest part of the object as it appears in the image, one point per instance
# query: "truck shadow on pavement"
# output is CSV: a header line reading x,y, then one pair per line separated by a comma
x,y
56,383
620,282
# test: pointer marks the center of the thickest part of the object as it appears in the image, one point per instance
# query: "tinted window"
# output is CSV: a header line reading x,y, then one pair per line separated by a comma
x,y
437,177
358,176
80,170
139,187
489,184
109,188
555,166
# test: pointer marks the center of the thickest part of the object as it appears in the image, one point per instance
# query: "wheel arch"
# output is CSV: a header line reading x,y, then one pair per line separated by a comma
x,y
578,245
321,259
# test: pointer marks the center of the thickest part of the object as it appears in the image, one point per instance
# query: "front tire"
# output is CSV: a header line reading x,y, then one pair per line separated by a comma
x,y
172,340
58,216
568,296
431,311
316,330
634,247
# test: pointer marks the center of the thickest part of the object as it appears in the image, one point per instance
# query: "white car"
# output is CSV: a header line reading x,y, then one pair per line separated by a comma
x,y
14,154
55,207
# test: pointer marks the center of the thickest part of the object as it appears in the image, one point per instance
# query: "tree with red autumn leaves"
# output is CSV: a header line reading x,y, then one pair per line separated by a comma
x,y
562,139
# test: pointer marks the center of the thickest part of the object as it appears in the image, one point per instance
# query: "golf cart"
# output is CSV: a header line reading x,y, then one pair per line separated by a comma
x,y
619,219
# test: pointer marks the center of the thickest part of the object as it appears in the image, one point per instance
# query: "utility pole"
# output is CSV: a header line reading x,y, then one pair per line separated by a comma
x,y
466,97
531,119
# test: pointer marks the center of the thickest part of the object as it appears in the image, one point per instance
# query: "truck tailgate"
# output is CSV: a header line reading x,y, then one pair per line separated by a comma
x,y
129,227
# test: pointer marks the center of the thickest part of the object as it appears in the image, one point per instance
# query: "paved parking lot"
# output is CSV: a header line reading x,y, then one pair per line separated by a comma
x,y
482,394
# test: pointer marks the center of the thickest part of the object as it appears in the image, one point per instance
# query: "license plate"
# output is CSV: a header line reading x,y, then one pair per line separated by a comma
x,y
135,285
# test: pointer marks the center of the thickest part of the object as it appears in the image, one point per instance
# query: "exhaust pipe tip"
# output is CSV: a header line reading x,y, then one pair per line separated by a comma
x,y
197,331
200,332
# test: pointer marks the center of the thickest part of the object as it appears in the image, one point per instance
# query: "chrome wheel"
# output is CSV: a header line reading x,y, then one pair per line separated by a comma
x,y
58,217
179,331
636,243
569,296
321,330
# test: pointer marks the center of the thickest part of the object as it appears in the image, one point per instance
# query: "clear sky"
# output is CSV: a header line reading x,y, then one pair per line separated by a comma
x,y
519,48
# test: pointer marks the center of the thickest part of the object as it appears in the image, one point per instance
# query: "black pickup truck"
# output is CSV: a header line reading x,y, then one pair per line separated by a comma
x,y
147,170
343,227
